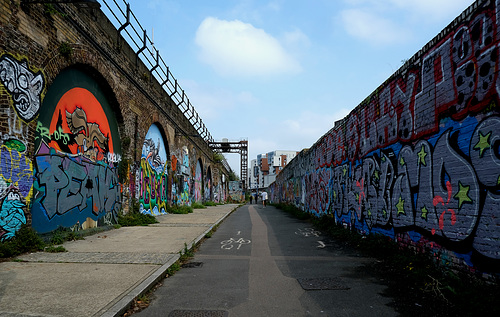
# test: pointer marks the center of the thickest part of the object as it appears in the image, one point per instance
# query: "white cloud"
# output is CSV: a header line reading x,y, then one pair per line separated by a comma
x,y
296,39
210,102
234,48
372,28
300,133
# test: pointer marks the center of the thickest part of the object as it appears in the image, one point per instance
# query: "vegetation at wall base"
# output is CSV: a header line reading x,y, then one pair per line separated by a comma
x,y
198,206
210,204
184,209
136,219
26,240
418,285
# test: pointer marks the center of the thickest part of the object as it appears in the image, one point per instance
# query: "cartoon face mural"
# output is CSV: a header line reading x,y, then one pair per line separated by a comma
x,y
78,150
23,85
153,180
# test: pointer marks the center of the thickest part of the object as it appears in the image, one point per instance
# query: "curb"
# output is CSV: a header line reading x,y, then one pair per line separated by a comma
x,y
126,300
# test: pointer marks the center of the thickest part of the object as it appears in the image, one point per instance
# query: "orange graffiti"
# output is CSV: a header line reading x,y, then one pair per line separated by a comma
x,y
80,98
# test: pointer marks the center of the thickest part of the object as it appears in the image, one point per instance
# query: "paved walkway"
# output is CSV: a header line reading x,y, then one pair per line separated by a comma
x,y
101,275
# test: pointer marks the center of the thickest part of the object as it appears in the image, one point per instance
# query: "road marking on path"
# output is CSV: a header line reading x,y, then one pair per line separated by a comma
x,y
228,244
321,244
307,232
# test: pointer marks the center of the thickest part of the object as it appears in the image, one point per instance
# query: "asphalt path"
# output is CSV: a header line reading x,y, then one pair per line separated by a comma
x,y
263,262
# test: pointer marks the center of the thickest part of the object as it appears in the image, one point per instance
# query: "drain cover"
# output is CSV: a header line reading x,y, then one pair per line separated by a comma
x,y
325,283
192,264
198,313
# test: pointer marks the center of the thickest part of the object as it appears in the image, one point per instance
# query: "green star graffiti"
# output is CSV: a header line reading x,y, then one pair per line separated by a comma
x,y
462,195
424,213
483,144
401,206
422,154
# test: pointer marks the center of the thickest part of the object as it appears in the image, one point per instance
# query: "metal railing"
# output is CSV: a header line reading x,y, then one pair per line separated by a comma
x,y
136,36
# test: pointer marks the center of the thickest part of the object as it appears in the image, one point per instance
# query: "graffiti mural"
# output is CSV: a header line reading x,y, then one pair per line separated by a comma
x,y
77,152
23,85
419,159
198,183
24,88
16,182
153,179
236,191
207,190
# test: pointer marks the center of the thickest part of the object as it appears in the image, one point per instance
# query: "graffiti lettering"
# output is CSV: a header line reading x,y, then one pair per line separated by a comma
x,y
66,184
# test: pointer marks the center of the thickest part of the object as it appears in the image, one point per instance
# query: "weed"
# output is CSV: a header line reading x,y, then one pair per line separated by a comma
x,y
57,238
26,240
65,49
210,203
135,218
198,206
54,249
173,268
444,292
180,209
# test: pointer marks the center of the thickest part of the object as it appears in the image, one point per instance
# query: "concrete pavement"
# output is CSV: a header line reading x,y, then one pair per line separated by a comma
x,y
101,275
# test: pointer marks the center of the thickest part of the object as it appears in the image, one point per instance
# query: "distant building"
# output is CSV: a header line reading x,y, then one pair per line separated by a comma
x,y
264,169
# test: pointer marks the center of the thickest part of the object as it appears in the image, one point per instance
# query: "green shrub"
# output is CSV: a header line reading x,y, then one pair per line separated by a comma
x,y
54,249
26,240
210,203
57,238
184,209
136,219
198,206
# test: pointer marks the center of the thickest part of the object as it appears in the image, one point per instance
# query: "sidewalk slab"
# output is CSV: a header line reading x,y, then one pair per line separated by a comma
x,y
103,274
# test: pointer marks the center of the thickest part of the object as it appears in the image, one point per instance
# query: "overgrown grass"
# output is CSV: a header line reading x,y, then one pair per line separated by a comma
x,y
180,209
198,206
417,283
136,219
210,203
26,240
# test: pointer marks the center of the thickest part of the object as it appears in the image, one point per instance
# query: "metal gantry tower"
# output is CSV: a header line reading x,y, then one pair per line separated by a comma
x,y
241,147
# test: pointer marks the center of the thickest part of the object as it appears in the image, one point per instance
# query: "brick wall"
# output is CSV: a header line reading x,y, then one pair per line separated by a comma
x,y
418,160
75,110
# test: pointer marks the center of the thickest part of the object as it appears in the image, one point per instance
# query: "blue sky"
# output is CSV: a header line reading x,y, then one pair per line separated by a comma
x,y
280,73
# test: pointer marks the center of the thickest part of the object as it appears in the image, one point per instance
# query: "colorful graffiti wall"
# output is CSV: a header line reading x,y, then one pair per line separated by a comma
x,y
198,183
207,190
153,174
419,159
236,191
24,88
182,179
77,152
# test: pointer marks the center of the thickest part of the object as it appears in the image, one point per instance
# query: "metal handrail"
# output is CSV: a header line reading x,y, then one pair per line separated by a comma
x,y
136,36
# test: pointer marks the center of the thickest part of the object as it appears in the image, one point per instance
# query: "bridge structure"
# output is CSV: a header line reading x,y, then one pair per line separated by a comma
x,y
94,123
240,147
